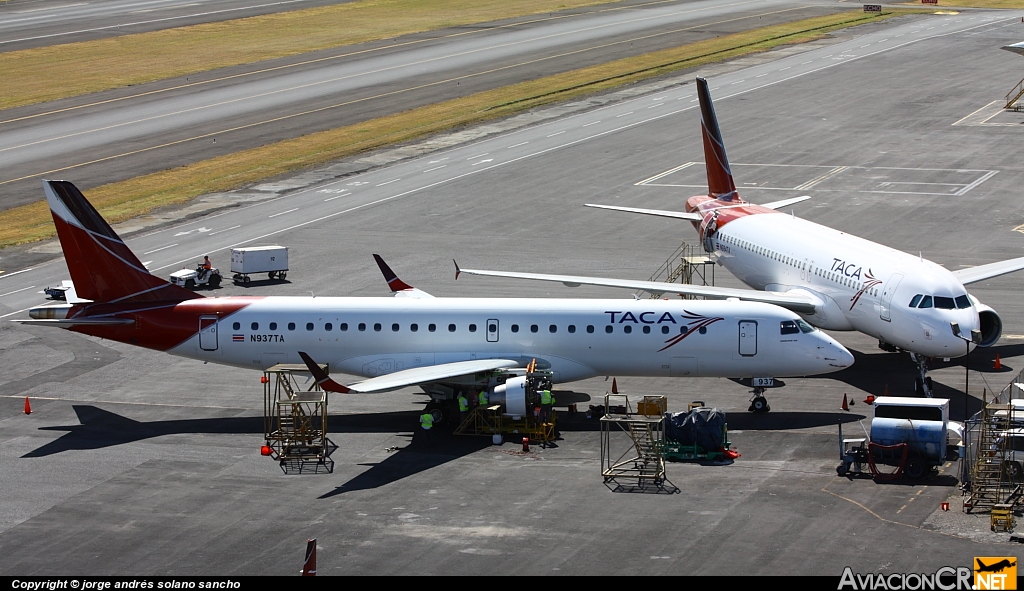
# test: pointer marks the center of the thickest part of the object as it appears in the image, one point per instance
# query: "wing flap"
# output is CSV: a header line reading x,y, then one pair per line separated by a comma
x,y
794,302
983,272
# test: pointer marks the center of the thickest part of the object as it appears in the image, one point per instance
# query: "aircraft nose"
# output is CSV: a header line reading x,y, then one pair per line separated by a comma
x,y
836,355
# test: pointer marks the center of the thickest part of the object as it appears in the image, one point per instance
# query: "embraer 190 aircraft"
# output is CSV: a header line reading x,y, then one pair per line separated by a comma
x,y
443,345
833,280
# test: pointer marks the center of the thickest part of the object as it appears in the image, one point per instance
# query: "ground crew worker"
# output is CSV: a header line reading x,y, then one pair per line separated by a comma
x,y
206,266
463,407
482,398
427,423
546,402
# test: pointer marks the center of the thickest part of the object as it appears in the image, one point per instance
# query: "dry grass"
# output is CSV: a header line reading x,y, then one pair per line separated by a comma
x,y
48,73
134,197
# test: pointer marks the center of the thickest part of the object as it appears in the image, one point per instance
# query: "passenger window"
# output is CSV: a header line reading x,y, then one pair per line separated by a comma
x,y
608,329
703,330
394,327
431,327
362,326
590,328
414,327
552,329
926,302
572,329
627,329
647,330
944,303
492,328
376,326
664,329
309,326
328,327
472,328
789,327
236,326
683,329
255,326
291,326
917,300
963,302
533,328
451,328
343,326
515,328
273,326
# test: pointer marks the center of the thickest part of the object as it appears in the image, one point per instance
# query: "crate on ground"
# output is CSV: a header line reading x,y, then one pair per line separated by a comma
x,y
272,260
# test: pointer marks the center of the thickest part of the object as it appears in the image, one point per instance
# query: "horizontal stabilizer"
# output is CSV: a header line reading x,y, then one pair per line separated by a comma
x,y
682,215
785,202
795,302
983,272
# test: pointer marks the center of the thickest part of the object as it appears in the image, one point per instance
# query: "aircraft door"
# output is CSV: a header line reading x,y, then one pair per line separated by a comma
x,y
492,330
885,302
748,338
208,333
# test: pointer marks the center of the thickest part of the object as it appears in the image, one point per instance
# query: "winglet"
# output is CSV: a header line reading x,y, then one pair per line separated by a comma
x,y
394,282
457,270
321,377
720,182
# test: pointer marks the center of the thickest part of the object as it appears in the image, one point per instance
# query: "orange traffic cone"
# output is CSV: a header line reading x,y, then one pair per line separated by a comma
x,y
615,387
309,565
28,407
845,406
870,399
997,364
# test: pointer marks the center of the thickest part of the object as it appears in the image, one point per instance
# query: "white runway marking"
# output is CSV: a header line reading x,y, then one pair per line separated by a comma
x,y
161,248
16,291
2,276
482,155
517,145
556,133
435,168
388,182
283,212
226,229
589,124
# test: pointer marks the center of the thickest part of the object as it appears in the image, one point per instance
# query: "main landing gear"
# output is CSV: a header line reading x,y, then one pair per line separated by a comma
x,y
758,403
923,383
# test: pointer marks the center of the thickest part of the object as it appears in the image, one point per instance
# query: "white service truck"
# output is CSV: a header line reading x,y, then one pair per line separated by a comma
x,y
272,260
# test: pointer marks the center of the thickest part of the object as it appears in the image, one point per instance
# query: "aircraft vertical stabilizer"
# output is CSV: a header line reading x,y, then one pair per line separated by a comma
x,y
720,183
102,267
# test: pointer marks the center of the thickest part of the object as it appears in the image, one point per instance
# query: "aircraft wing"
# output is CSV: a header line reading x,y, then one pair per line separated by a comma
x,y
409,377
682,215
982,272
795,302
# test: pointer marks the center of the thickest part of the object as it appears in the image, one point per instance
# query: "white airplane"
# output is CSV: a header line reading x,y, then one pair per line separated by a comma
x,y
833,280
444,345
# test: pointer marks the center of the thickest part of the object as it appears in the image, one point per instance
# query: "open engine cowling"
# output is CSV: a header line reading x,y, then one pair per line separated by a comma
x,y
511,394
991,325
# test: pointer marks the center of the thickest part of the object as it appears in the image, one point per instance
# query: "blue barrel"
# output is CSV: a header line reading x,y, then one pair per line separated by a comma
x,y
926,439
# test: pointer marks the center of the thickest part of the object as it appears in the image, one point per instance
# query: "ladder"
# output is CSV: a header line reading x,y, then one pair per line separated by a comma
x,y
989,483
684,265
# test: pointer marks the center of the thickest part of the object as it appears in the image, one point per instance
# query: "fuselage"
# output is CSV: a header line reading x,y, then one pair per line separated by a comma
x,y
901,299
575,338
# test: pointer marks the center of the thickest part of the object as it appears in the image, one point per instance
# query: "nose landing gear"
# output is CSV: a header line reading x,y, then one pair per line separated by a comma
x,y
758,403
923,383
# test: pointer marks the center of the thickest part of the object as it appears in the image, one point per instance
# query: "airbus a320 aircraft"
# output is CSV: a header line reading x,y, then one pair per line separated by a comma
x,y
444,345
833,280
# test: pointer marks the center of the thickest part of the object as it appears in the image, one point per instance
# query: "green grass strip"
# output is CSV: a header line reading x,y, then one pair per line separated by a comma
x,y
134,197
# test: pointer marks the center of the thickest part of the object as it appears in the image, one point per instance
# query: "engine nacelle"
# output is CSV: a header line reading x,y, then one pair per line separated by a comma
x,y
511,394
991,324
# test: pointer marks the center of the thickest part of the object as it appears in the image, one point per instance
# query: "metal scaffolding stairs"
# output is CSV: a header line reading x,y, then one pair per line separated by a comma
x,y
1014,95
686,265
643,459
990,485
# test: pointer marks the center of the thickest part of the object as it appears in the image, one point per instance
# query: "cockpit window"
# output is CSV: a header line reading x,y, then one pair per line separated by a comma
x,y
789,327
963,302
804,327
926,302
917,300
944,303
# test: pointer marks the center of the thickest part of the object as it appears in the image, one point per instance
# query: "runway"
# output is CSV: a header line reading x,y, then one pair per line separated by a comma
x,y
134,461
119,134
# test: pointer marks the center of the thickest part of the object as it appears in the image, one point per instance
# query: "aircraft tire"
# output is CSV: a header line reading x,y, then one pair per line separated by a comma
x,y
759,404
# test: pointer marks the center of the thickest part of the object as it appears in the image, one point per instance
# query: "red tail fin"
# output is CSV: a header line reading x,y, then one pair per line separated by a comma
x,y
102,267
720,183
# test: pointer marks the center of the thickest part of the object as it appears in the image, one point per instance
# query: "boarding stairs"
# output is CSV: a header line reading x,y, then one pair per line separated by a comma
x,y
686,265
990,485
1014,95
643,457
295,420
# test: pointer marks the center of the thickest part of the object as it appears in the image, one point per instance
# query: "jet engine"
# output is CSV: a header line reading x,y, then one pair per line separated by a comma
x,y
512,394
991,324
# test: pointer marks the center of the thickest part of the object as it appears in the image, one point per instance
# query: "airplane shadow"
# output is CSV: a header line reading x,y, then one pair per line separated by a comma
x,y
260,282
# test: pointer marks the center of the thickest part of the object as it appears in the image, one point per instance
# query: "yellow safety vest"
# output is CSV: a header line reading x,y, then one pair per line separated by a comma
x,y
483,397
426,420
546,397
463,403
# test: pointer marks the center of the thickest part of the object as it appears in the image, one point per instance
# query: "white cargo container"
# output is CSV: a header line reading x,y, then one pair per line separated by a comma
x,y
272,260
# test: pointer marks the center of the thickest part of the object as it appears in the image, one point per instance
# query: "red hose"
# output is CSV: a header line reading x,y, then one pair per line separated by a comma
x,y
872,447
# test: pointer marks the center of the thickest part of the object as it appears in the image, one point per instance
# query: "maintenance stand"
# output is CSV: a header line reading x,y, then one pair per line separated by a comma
x,y
644,458
295,420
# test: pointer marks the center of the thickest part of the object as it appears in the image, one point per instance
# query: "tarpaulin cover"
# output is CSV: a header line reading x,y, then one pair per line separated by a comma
x,y
703,427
